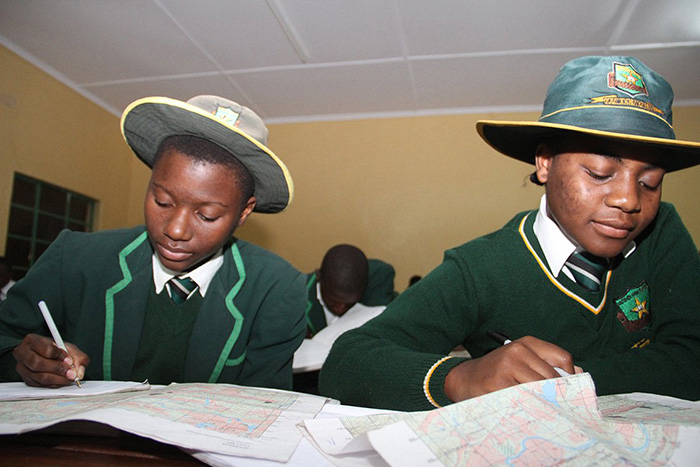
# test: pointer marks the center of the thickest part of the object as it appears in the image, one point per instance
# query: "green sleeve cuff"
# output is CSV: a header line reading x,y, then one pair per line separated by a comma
x,y
434,384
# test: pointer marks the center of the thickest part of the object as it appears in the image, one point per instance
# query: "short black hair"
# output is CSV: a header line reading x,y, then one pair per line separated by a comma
x,y
346,269
204,150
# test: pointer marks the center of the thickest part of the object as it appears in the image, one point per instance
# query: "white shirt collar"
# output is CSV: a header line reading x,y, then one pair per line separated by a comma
x,y
5,289
330,317
556,245
202,275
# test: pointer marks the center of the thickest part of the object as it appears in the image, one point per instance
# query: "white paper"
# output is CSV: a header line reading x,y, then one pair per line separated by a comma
x,y
546,422
20,391
312,353
216,418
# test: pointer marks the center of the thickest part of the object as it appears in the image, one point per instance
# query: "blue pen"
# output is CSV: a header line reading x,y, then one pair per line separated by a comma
x,y
502,339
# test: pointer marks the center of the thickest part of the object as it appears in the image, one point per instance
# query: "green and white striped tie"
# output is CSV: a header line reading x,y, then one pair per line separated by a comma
x,y
181,288
587,269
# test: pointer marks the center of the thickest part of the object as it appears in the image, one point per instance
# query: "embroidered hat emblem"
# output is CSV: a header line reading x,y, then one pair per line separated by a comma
x,y
634,311
626,79
228,115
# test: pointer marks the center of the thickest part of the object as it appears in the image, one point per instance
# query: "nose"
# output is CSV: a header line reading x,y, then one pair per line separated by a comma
x,y
624,194
177,227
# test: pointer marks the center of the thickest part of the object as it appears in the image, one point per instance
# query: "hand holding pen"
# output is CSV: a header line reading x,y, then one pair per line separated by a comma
x,y
502,339
521,361
43,361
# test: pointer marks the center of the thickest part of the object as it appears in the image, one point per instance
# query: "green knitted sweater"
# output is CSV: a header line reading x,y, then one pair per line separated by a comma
x,y
640,333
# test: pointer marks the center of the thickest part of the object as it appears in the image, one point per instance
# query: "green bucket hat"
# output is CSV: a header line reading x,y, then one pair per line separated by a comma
x,y
617,98
147,122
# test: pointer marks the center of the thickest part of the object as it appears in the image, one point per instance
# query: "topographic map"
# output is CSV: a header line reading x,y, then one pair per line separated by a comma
x,y
219,418
548,422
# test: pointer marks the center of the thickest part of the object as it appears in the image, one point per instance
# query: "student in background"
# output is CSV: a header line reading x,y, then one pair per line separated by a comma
x,y
5,277
628,312
179,299
346,277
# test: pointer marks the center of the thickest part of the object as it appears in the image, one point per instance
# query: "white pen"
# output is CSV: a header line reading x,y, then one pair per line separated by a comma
x,y
54,332
504,340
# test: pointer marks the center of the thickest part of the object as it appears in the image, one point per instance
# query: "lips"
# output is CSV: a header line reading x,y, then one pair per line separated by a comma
x,y
614,228
173,254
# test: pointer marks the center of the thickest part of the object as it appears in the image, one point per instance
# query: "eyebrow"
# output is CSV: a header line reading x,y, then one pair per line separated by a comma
x,y
618,159
204,203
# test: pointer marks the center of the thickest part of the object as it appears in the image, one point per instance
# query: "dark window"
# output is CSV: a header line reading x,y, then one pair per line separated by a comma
x,y
38,213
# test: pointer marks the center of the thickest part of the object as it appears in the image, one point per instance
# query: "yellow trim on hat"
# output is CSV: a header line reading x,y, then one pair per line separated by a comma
x,y
191,108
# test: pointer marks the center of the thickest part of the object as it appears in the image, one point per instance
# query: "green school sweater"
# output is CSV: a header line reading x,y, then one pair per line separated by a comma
x,y
640,333
97,286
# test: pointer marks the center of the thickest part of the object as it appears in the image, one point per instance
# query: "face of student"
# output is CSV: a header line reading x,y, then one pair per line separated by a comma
x,y
337,302
602,194
192,208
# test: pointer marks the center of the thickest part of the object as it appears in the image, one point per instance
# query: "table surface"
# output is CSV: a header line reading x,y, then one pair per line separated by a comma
x,y
83,443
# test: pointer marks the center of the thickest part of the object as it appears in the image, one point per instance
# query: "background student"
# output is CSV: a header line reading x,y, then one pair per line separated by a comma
x,y
179,299
346,277
603,277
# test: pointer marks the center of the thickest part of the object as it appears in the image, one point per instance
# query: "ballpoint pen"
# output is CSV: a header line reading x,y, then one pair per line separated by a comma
x,y
502,339
56,335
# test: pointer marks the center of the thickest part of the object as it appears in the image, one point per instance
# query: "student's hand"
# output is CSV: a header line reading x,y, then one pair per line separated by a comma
x,y
41,363
522,361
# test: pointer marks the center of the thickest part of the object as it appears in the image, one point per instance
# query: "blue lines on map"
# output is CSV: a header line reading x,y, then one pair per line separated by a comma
x,y
524,449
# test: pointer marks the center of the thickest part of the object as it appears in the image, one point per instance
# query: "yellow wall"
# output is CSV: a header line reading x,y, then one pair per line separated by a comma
x,y
49,132
405,190
402,189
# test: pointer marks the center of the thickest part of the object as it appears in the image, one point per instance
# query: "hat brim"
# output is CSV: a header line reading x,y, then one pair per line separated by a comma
x,y
520,139
147,122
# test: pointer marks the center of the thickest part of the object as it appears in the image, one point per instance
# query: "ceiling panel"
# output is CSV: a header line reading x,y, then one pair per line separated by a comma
x,y
237,34
357,89
300,60
653,22
475,26
484,82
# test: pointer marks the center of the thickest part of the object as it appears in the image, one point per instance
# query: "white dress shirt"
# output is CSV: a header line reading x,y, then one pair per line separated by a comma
x,y
202,275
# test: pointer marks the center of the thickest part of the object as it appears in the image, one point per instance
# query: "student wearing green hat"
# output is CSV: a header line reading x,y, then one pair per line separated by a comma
x,y
179,299
602,278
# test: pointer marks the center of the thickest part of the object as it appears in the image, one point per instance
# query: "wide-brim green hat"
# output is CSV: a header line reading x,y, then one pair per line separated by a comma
x,y
618,98
147,122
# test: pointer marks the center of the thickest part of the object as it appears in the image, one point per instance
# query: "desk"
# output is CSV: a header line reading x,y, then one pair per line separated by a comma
x,y
77,444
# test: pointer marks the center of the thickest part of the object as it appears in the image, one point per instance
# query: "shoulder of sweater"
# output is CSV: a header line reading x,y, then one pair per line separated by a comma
x,y
505,232
105,240
257,256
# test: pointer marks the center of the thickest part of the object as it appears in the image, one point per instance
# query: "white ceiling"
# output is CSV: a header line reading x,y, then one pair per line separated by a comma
x,y
303,60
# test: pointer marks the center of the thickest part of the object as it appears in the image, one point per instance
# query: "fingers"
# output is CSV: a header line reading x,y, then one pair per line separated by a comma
x,y
41,363
549,353
80,361
522,361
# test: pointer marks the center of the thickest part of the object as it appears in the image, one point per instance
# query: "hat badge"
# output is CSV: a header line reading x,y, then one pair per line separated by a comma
x,y
626,79
227,115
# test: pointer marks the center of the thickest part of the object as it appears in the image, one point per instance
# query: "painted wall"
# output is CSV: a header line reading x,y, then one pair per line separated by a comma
x,y
49,132
402,189
405,190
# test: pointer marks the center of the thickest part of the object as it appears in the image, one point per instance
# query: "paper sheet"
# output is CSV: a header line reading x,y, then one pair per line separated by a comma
x,y
216,418
312,353
20,391
547,422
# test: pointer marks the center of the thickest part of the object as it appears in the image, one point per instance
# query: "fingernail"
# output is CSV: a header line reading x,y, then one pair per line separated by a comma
x,y
68,361
71,374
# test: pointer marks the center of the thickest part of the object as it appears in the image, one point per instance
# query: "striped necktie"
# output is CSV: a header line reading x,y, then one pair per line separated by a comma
x,y
181,288
587,269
